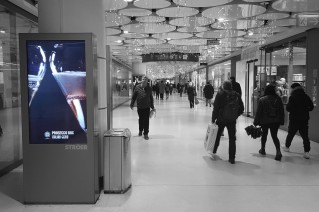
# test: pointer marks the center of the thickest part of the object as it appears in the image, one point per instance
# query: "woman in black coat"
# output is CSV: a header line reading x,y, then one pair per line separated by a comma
x,y
270,115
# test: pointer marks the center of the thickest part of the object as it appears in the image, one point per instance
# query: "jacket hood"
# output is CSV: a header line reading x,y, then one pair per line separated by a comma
x,y
298,90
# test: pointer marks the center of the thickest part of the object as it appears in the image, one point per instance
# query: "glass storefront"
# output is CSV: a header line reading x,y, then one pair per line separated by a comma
x,y
11,24
218,74
122,84
199,80
283,65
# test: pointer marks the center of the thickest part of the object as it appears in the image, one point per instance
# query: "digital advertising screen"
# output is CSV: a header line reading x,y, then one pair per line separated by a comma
x,y
57,91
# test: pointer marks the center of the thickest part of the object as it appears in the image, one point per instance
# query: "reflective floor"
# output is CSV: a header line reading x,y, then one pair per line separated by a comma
x,y
172,172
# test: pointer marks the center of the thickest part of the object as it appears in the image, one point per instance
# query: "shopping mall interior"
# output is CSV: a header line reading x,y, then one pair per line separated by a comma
x,y
56,154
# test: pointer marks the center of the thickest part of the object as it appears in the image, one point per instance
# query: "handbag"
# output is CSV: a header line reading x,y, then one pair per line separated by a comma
x,y
196,101
253,131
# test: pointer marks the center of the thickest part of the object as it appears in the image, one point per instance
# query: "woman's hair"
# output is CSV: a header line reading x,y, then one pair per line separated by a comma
x,y
270,90
227,85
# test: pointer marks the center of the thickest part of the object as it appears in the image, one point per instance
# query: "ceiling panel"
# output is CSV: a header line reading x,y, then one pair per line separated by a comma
x,y
151,19
272,16
175,12
234,11
134,35
148,28
133,12
296,5
112,5
221,34
191,21
172,35
240,24
111,31
152,4
113,19
189,42
201,3
192,29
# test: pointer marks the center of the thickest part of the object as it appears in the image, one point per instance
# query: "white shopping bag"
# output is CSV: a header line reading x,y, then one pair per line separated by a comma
x,y
210,137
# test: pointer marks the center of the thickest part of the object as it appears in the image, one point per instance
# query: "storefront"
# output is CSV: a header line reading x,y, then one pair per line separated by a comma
x,y
122,83
12,23
292,60
219,73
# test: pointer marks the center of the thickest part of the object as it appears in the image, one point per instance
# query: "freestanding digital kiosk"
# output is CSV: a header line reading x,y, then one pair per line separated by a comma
x,y
59,118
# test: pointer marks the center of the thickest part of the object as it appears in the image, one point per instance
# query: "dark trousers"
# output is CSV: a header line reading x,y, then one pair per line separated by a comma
x,y
273,131
208,101
162,95
302,127
191,101
144,120
231,128
157,95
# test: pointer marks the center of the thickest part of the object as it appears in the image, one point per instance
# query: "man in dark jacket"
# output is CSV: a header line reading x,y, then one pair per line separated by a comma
x,y
299,105
208,93
235,85
143,95
220,103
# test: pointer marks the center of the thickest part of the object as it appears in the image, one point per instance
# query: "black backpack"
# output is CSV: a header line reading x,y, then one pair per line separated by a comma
x,y
231,110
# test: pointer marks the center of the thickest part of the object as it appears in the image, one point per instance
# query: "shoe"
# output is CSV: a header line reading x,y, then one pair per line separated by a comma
x,y
284,148
262,152
213,156
278,157
306,155
232,161
140,133
146,137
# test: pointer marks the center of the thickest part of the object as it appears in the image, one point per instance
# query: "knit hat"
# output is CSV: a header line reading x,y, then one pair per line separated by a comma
x,y
294,85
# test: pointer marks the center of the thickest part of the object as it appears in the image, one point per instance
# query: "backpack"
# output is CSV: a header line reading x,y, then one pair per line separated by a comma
x,y
231,110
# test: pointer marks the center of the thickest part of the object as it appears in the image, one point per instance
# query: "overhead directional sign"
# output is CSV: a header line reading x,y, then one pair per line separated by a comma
x,y
308,21
173,56
213,42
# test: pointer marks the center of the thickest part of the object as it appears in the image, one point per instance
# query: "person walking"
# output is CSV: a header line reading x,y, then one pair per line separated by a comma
x,y
227,107
191,92
161,89
208,93
270,115
143,95
235,85
167,88
299,104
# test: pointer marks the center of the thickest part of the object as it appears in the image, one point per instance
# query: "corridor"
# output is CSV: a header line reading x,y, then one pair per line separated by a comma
x,y
171,172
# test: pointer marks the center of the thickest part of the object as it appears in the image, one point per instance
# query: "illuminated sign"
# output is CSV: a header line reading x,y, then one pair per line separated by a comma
x,y
57,91
174,56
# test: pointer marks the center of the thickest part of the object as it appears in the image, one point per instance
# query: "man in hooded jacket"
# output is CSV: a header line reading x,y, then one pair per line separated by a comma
x,y
219,106
299,105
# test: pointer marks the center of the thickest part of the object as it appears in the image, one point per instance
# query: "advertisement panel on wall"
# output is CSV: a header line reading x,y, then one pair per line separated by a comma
x,y
56,91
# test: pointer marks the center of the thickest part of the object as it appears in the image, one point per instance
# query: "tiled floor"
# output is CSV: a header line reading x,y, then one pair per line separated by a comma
x,y
172,173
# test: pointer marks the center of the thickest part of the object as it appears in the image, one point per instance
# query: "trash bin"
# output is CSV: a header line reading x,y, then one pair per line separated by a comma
x,y
117,160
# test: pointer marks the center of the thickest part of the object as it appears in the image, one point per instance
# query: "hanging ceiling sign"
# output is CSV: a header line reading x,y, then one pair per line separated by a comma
x,y
174,56
308,20
213,42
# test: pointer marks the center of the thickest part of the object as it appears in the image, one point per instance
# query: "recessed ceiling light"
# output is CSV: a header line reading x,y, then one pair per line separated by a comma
x,y
2,31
